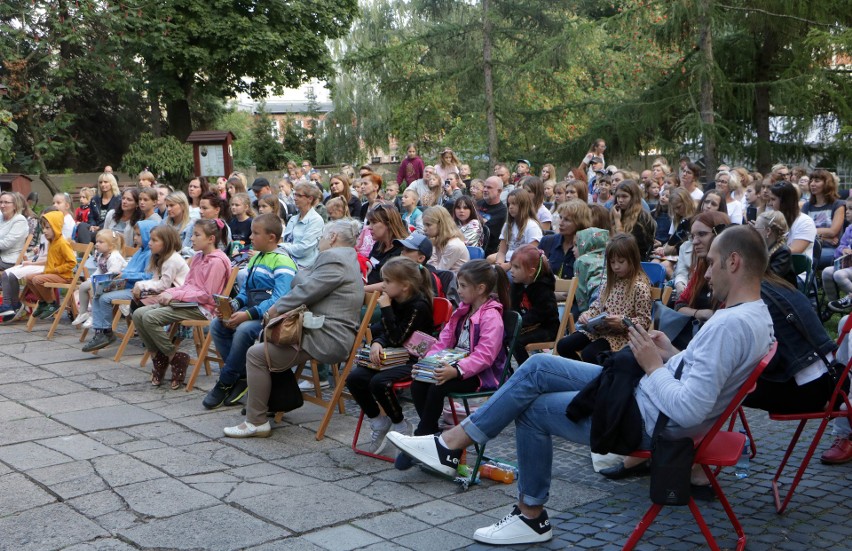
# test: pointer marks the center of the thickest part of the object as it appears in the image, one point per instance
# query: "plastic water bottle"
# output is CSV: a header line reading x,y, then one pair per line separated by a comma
x,y
742,467
498,473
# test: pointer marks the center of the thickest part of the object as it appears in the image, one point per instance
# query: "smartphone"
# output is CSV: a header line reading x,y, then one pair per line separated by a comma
x,y
627,323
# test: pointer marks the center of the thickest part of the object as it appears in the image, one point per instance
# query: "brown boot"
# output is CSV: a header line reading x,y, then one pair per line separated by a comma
x,y
161,364
180,362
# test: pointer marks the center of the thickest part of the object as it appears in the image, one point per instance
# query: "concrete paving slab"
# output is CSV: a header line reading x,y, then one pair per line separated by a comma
x,y
312,507
390,526
342,538
70,480
104,544
433,538
37,353
19,494
9,411
219,528
71,368
78,446
75,401
178,463
23,373
120,470
123,415
30,455
54,526
164,497
33,428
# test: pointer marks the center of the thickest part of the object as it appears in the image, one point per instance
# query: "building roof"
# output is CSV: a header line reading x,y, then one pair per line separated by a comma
x,y
292,106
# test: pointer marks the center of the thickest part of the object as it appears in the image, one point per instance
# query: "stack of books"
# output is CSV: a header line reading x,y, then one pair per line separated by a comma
x,y
390,357
424,370
107,283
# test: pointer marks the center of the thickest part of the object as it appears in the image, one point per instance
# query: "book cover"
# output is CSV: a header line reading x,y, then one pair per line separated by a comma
x,y
419,343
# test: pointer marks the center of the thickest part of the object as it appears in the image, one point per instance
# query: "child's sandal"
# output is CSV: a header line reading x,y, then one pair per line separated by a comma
x,y
161,364
180,362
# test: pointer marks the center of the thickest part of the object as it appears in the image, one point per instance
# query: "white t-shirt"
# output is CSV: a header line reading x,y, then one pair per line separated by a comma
x,y
544,215
532,232
803,228
696,194
735,211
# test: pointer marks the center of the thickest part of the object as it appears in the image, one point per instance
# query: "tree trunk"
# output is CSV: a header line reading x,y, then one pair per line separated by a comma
x,y
762,101
490,119
708,121
179,117
156,114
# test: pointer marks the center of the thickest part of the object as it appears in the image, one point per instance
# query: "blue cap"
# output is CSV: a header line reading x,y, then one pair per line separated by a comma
x,y
417,242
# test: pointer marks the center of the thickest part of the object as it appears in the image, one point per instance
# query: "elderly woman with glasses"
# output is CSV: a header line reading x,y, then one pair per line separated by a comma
x,y
302,234
13,231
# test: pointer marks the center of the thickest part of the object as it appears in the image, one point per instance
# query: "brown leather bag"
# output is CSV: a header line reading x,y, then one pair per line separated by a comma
x,y
286,328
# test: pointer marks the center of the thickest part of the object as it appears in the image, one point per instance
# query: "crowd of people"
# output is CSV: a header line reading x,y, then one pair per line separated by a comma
x,y
488,246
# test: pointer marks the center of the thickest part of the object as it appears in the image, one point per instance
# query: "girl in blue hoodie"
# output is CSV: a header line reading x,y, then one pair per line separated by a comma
x,y
153,245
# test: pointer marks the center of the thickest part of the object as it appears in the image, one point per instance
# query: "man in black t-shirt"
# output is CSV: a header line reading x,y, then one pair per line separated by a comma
x,y
493,211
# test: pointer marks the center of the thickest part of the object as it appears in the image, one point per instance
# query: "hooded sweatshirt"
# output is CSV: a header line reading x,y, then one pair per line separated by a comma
x,y
589,266
207,276
61,259
137,266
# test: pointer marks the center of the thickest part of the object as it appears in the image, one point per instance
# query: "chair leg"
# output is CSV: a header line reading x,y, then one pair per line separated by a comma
x,y
359,451
131,329
202,356
780,506
732,517
69,296
643,524
784,460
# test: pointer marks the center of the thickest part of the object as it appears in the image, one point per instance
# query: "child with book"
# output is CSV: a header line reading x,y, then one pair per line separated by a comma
x,y
406,304
109,260
626,293
476,327
193,300
533,294
59,267
155,267
269,275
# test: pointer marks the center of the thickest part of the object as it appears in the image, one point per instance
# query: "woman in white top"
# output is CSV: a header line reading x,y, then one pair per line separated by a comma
x,y
726,182
689,182
13,231
535,187
124,219
448,249
784,198
521,228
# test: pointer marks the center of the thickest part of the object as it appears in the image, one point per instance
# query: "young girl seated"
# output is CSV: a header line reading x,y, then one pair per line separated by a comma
x,y
155,267
207,277
477,326
337,209
212,207
62,203
533,296
467,219
625,293
82,212
521,228
240,224
59,267
109,260
148,198
448,250
406,304
411,215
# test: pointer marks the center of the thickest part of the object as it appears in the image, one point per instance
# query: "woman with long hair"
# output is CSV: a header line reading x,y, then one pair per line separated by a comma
x,y
124,218
386,227
696,300
628,216
194,190
828,212
447,162
784,198
340,186
108,198
535,187
448,248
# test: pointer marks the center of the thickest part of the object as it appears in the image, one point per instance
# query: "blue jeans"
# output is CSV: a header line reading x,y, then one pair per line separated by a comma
x,y
102,308
535,398
233,345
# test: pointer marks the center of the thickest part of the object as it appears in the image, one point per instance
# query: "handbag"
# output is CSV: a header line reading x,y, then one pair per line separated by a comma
x,y
671,463
285,394
285,329
679,328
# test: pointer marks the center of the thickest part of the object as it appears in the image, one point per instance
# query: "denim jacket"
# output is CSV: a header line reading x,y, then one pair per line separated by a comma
x,y
794,351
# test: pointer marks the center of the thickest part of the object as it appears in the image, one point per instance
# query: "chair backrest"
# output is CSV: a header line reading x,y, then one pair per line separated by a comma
x,y
656,273
84,251
511,329
803,264
747,387
226,291
442,309
566,324
663,295
128,251
476,252
23,254
564,285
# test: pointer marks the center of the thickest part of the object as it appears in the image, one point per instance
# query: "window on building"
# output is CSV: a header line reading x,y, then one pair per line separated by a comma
x,y
273,129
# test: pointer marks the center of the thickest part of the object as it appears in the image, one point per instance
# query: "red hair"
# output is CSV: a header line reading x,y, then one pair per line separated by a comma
x,y
530,257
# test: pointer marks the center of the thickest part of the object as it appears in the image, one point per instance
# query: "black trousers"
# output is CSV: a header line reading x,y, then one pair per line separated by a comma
x,y
788,397
429,401
536,335
578,346
371,389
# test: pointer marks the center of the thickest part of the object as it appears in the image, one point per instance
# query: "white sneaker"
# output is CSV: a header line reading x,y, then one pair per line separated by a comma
x,y
379,429
80,319
428,451
247,430
88,323
308,386
514,528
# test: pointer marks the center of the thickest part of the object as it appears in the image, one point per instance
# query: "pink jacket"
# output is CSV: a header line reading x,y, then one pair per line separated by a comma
x,y
207,276
486,342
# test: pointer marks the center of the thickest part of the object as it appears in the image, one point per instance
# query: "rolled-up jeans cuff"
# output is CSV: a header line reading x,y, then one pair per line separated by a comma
x,y
470,428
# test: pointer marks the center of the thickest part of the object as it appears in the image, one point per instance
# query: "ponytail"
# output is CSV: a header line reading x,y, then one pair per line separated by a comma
x,y
480,272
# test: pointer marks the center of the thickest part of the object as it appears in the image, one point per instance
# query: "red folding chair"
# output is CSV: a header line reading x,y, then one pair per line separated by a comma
x,y
717,448
839,398
442,309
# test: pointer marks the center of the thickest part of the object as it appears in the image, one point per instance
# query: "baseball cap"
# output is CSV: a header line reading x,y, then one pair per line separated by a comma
x,y
260,183
417,242
526,162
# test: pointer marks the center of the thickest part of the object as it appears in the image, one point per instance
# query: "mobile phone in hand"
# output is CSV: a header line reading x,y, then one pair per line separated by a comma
x,y
627,323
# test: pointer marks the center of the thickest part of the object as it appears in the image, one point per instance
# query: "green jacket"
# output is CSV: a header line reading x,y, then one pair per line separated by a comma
x,y
589,266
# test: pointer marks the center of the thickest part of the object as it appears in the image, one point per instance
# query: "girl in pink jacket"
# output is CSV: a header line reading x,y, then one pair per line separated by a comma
x,y
193,300
477,327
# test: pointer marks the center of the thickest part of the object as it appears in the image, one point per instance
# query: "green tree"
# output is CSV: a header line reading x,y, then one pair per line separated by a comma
x,y
7,130
266,151
167,157
240,124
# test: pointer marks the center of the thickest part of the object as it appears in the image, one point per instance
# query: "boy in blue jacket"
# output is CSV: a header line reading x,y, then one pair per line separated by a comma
x,y
270,274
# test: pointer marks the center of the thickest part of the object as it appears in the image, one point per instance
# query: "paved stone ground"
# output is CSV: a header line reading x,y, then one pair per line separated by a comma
x,y
93,457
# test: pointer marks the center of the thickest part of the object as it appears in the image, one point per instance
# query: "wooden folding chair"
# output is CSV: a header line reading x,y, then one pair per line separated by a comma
x,y
69,288
442,310
839,399
512,328
370,300
717,448
22,255
566,324
662,294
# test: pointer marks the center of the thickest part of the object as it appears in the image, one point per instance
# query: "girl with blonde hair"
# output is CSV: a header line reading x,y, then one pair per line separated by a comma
x,y
448,249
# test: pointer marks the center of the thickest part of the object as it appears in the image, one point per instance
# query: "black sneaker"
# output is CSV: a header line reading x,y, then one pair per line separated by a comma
x,y
39,309
843,305
100,340
429,451
48,311
239,390
217,395
515,528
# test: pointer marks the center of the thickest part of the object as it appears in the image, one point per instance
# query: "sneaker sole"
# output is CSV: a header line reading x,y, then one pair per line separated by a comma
x,y
538,538
434,465
265,434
